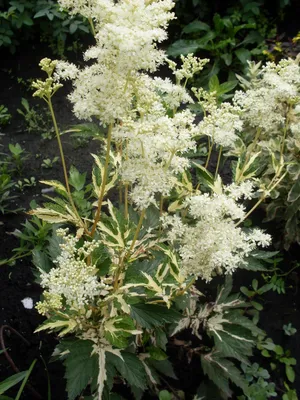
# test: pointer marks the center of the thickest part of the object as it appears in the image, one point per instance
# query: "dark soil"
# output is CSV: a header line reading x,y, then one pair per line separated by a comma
x,y
17,281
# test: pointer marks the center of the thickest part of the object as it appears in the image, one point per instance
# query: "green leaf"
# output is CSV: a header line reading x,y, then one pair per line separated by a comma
x,y
73,28
255,284
40,13
247,292
218,22
220,370
77,180
214,84
225,290
226,87
134,273
256,305
41,260
130,369
294,193
290,373
196,26
243,55
203,174
263,255
20,391
253,264
81,367
183,47
161,338
151,316
164,367
227,57
164,395
156,353
235,347
208,391
118,330
12,381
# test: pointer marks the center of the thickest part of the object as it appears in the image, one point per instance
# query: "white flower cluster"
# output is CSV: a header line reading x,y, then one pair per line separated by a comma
x,y
72,282
222,125
190,66
126,37
212,242
243,190
154,153
264,105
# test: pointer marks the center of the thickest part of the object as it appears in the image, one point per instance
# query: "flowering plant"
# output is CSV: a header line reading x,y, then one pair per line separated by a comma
x,y
119,277
270,109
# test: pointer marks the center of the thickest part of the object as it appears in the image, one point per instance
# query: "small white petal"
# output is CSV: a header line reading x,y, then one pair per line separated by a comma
x,y
27,303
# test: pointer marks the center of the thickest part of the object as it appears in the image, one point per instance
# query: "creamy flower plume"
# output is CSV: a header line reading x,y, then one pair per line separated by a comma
x,y
126,37
212,242
72,282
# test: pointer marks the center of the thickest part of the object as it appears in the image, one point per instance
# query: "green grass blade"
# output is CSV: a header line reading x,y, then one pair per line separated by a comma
x,y
25,380
11,381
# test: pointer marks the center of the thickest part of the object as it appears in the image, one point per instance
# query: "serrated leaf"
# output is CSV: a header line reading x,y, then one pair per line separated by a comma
x,y
130,369
253,264
263,255
161,339
234,347
118,330
81,367
237,318
220,370
151,316
57,185
134,273
65,326
225,290
50,216
164,367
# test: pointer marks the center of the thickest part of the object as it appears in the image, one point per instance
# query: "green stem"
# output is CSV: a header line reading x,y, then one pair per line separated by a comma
x,y
92,27
62,156
126,201
267,191
138,228
161,205
210,147
291,270
284,133
218,162
126,187
103,183
248,155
